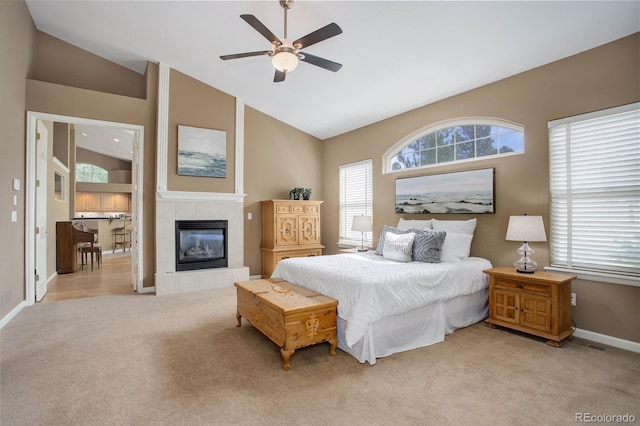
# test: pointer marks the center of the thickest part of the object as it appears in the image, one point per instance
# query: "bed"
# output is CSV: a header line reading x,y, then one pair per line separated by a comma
x,y
387,306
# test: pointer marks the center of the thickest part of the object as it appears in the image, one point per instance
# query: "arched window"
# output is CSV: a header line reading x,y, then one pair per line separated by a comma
x,y
91,173
454,141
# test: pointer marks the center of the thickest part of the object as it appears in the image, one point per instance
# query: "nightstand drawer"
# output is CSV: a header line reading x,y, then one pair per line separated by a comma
x,y
541,289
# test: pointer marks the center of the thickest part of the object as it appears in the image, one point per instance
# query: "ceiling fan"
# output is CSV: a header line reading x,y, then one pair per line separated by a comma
x,y
286,54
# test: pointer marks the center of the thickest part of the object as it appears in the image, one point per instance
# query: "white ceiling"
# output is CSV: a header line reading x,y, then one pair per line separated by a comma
x,y
396,56
109,141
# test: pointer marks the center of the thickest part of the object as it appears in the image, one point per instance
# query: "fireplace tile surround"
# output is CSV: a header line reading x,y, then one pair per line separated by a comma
x,y
167,280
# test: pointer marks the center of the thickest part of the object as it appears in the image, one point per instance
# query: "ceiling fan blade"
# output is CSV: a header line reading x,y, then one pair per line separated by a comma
x,y
317,36
245,55
261,28
320,62
279,76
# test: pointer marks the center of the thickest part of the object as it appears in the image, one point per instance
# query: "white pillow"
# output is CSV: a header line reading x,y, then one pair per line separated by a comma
x,y
455,226
414,224
398,246
456,247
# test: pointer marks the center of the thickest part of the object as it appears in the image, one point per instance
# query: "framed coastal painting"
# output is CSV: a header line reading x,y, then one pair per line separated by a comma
x,y
460,192
202,152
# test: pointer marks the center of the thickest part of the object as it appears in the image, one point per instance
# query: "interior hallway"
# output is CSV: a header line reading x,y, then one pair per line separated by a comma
x,y
113,277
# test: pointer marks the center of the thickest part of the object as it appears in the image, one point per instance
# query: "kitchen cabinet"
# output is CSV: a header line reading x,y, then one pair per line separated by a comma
x,y
103,202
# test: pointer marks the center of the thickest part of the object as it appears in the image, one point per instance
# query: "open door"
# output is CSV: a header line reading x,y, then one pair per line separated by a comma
x,y
36,232
41,231
135,219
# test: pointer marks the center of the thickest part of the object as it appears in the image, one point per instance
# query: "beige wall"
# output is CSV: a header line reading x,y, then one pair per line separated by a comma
x,y
57,210
17,33
193,103
56,63
277,158
105,161
600,78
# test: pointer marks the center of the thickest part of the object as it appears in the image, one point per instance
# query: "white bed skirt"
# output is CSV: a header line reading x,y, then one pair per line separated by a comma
x,y
418,328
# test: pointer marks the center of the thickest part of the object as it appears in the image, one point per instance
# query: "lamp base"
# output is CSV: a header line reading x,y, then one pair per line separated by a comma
x,y
525,271
362,250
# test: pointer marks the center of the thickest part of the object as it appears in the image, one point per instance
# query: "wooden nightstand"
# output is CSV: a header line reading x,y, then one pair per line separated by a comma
x,y
538,304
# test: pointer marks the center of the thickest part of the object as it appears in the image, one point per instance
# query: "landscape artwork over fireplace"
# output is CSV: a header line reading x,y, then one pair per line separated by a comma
x,y
460,192
202,152
201,244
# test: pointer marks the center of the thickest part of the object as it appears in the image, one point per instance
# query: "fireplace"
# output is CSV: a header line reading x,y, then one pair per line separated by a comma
x,y
201,244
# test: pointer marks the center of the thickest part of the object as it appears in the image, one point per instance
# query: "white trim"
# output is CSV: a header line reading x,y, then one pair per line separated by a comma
x,y
199,196
52,277
594,114
239,174
5,320
597,276
59,164
616,342
492,121
32,118
162,143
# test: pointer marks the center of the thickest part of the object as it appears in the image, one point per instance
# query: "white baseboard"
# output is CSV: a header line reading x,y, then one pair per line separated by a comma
x,y
608,340
255,277
4,321
147,290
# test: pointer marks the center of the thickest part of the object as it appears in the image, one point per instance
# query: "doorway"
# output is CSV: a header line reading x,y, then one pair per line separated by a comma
x,y
33,254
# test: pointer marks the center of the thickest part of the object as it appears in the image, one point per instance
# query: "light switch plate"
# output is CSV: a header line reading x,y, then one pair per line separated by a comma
x,y
16,184
14,216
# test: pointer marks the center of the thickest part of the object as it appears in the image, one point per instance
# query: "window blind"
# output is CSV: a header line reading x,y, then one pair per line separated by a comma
x,y
356,198
595,191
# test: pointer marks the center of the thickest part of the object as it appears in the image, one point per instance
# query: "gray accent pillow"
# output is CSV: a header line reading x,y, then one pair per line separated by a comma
x,y
427,245
385,229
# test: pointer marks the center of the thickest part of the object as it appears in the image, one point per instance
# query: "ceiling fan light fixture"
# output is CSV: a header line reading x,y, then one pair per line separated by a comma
x,y
285,61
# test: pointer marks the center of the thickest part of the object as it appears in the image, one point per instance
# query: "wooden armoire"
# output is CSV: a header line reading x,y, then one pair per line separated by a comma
x,y
290,228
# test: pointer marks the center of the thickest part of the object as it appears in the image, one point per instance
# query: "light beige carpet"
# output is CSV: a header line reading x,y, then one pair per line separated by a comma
x,y
181,360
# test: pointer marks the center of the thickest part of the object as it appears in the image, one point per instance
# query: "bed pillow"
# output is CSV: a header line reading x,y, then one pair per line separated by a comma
x,y
386,229
398,246
427,245
456,247
457,226
414,224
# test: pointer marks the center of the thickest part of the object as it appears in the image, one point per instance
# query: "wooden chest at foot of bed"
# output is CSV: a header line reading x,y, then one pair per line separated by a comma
x,y
291,316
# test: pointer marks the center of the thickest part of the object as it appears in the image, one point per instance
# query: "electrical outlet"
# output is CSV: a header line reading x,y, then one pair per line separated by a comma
x,y
573,299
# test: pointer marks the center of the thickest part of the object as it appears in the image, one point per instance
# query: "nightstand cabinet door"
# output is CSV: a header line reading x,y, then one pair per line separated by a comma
x,y
506,305
535,312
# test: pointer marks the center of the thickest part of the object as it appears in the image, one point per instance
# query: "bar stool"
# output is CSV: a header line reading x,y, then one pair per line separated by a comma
x,y
96,251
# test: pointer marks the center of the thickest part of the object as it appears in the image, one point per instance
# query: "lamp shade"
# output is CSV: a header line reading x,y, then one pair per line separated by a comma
x,y
285,61
361,224
526,228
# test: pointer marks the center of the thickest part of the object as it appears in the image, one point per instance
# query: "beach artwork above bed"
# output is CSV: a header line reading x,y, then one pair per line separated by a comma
x,y
460,192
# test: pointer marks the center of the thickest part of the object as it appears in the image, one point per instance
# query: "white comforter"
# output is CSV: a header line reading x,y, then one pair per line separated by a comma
x,y
369,288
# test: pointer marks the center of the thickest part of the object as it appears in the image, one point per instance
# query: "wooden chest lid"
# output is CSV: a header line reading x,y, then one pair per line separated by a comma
x,y
284,296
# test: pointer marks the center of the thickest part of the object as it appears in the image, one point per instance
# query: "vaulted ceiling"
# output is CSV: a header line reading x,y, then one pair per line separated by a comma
x,y
396,55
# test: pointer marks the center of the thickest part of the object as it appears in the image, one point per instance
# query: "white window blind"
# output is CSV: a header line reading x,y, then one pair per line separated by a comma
x,y
356,198
595,191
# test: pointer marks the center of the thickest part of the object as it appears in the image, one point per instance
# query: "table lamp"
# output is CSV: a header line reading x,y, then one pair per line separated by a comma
x,y
362,224
525,228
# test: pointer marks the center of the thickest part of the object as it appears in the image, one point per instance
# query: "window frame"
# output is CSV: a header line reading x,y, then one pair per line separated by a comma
x,y
95,166
583,270
346,218
434,127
